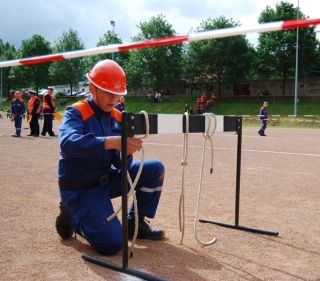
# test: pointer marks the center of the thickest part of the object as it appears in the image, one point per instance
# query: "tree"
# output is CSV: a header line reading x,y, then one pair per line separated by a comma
x,y
7,52
158,66
107,39
69,71
32,75
277,50
226,59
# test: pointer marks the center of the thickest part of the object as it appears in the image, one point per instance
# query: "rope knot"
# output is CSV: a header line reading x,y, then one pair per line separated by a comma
x,y
184,163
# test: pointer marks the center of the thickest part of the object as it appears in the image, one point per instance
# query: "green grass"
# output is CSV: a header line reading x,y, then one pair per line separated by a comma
x,y
226,106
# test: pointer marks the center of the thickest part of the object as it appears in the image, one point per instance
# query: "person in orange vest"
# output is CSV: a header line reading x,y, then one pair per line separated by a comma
x,y
202,104
49,109
198,101
33,114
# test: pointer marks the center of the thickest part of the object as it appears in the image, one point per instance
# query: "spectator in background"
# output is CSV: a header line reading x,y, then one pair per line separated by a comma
x,y
17,111
211,100
263,114
201,104
49,109
157,96
121,106
33,114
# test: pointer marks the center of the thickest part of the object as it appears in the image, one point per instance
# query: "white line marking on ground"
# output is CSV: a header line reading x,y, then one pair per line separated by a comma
x,y
247,150
268,137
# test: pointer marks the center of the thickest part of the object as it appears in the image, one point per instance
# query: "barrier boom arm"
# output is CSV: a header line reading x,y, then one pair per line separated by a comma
x,y
218,33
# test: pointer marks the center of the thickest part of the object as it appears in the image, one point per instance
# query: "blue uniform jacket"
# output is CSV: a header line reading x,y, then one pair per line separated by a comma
x,y
121,106
263,113
82,137
17,107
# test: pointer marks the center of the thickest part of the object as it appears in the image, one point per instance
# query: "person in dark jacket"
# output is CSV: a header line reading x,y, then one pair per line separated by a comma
x,y
49,108
90,167
121,105
263,115
17,111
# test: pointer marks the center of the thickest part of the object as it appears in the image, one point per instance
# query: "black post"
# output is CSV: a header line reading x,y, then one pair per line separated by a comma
x,y
239,145
238,129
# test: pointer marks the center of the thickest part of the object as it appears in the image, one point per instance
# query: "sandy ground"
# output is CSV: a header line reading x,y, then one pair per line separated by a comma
x,y
279,192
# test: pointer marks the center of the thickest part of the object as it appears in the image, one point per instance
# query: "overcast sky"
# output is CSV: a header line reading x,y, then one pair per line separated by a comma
x,y
20,19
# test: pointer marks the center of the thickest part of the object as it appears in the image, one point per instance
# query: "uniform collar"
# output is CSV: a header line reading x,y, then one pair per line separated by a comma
x,y
95,107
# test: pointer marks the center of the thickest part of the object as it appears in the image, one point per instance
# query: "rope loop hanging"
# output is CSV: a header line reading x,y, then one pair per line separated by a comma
x,y
208,134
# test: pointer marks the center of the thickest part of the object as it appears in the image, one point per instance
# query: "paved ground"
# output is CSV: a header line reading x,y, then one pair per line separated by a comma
x,y
279,191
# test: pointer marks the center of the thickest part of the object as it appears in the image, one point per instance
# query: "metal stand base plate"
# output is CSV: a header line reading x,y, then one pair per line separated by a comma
x,y
240,227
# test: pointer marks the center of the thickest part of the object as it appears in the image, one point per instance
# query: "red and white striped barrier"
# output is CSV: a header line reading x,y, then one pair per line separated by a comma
x,y
114,48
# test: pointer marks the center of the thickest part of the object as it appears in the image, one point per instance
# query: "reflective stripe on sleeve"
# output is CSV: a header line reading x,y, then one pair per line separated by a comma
x,y
150,190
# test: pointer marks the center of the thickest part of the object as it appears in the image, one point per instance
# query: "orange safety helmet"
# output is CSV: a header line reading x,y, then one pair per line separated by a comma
x,y
108,76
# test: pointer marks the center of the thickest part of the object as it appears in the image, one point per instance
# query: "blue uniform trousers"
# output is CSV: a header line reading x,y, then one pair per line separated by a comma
x,y
18,124
263,127
91,206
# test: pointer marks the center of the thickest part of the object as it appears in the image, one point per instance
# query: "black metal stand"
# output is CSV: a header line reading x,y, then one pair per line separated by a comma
x,y
127,130
237,199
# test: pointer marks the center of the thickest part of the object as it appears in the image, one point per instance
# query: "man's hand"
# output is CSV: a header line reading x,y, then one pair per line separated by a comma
x,y
133,144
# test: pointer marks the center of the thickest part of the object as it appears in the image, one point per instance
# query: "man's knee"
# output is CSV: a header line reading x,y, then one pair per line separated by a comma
x,y
107,246
159,168
161,177
106,237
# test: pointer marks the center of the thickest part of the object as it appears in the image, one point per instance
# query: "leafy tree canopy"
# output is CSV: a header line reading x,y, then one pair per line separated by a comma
x,y
219,60
277,50
70,71
32,75
158,66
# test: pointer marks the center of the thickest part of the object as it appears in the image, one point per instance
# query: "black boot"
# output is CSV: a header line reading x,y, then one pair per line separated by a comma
x,y
145,231
63,223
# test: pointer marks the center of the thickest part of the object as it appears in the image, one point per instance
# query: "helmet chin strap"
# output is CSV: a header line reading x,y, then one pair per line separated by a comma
x,y
96,92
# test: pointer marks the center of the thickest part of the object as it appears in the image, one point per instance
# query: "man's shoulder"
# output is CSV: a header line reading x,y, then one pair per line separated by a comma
x,y
84,108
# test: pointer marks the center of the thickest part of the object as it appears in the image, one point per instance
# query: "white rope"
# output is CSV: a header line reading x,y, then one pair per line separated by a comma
x,y
207,135
184,163
133,186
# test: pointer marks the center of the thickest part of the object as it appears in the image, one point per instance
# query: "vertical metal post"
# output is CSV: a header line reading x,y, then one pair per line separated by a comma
x,y
124,190
113,23
238,173
1,92
238,129
296,74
